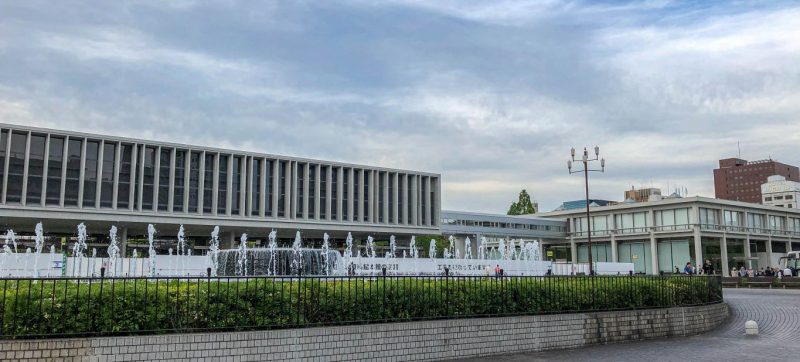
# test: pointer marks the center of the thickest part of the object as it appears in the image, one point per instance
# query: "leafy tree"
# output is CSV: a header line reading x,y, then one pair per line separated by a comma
x,y
523,206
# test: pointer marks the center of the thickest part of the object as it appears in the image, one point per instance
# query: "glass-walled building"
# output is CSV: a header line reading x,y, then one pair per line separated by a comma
x,y
62,178
660,236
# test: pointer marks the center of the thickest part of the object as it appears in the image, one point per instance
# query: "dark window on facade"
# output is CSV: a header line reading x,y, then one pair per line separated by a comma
x,y
180,180
391,197
381,195
367,182
334,193
411,185
323,192
356,200
312,189
107,175
433,207
194,181
281,188
208,184
401,196
270,184
54,164
35,169
236,186
72,187
301,171
125,173
149,178
3,145
16,166
345,194
163,179
256,186
90,173
424,214
222,191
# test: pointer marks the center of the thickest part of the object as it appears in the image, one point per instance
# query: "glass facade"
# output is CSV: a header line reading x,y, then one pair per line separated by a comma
x,y
16,167
41,168
674,219
125,174
36,169
636,252
633,222
107,175
673,255
601,253
55,162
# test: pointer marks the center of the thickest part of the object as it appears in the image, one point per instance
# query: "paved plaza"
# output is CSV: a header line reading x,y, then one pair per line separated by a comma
x,y
776,311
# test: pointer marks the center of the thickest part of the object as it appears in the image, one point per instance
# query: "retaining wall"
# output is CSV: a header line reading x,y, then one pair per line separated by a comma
x,y
426,340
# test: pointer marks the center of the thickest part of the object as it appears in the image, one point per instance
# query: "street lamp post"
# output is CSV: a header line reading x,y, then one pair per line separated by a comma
x,y
586,171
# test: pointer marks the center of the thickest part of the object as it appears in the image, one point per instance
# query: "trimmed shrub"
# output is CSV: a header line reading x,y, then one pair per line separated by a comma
x,y
135,306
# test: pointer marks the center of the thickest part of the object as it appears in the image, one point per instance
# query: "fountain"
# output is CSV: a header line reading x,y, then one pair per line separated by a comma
x,y
52,257
27,257
325,250
370,247
297,257
451,248
392,248
132,267
272,267
39,244
412,246
181,262
151,251
467,248
241,256
348,251
482,248
432,249
79,248
213,251
113,251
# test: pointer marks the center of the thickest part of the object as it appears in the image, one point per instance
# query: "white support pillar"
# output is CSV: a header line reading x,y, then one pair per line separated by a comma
x,y
747,253
614,254
371,192
723,246
123,241
385,194
769,251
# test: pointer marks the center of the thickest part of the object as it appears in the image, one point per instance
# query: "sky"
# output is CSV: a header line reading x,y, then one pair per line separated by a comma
x,y
490,94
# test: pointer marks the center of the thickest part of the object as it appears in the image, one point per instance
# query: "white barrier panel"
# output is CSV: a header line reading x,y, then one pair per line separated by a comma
x,y
570,269
22,265
426,266
613,268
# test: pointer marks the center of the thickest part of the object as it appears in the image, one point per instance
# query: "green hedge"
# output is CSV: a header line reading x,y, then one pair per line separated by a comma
x,y
130,306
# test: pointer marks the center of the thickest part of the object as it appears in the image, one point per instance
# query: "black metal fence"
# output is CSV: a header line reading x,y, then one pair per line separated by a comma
x,y
41,308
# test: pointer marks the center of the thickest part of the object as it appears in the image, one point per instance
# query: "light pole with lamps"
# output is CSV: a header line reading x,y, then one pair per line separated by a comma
x,y
586,171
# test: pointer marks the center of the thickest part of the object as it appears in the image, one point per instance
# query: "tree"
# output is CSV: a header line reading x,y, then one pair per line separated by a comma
x,y
523,206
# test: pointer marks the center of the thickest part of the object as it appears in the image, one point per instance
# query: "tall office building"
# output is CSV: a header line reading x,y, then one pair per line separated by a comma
x,y
740,180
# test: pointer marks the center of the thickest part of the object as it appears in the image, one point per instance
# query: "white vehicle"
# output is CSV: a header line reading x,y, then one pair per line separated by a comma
x,y
791,261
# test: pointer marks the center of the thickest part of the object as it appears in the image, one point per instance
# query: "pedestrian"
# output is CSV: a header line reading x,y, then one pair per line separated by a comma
x,y
688,270
497,270
708,268
734,272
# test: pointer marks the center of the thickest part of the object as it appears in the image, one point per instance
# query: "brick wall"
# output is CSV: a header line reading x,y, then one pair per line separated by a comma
x,y
427,340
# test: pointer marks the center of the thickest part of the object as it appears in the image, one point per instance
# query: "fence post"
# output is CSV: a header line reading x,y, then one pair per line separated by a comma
x,y
102,272
447,291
